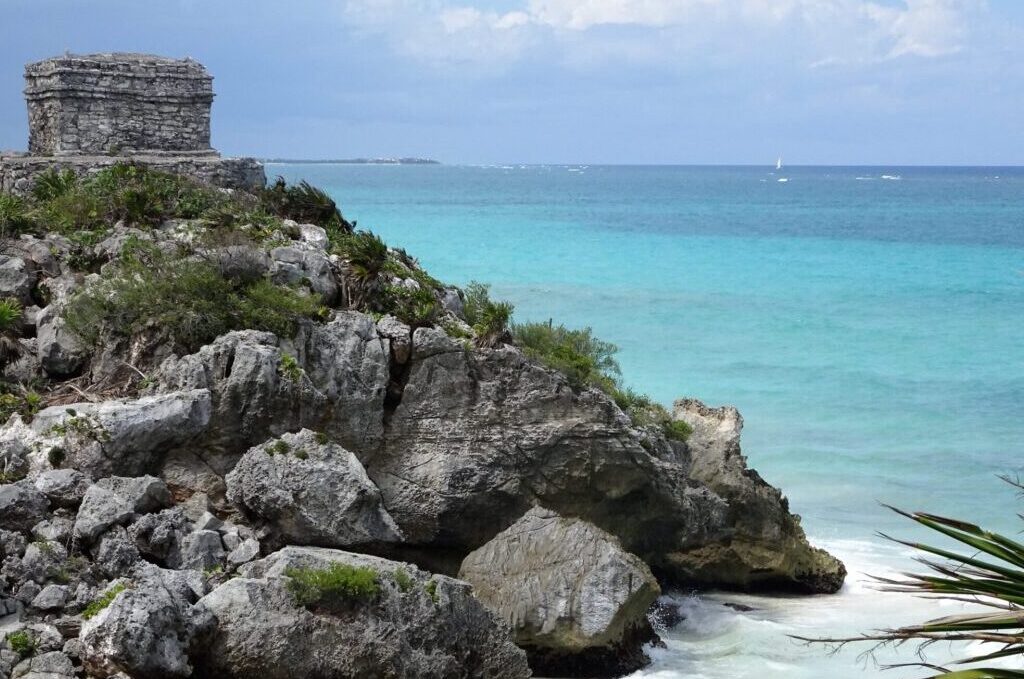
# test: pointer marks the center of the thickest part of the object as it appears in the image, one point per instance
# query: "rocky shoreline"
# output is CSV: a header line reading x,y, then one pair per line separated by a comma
x,y
380,487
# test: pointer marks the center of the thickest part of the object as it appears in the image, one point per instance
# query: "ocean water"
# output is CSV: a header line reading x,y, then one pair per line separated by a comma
x,y
867,322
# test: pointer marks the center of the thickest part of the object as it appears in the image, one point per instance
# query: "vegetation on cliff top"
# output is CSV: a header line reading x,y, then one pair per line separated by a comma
x,y
175,284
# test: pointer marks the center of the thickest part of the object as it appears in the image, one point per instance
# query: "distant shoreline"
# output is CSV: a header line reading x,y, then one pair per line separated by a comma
x,y
356,161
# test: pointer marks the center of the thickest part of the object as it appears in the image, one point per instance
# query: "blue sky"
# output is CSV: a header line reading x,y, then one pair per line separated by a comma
x,y
590,81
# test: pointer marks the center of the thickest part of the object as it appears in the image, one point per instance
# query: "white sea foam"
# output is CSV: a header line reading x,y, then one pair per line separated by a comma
x,y
717,641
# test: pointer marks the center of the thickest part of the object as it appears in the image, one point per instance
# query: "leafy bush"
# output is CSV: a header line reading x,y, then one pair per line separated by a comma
x,y
581,357
102,601
15,217
332,586
186,297
416,307
645,412
488,319
22,643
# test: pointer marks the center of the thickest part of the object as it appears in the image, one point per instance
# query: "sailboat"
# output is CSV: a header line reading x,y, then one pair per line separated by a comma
x,y
778,167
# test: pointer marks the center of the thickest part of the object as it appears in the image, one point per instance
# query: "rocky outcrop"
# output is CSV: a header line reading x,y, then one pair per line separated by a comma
x,y
416,625
309,491
147,630
125,437
115,501
479,437
331,378
765,547
574,599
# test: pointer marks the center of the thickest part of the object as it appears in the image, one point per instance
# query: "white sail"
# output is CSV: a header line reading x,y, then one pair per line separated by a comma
x,y
778,163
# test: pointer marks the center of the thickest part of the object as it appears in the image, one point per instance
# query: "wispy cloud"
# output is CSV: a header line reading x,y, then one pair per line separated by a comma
x,y
815,32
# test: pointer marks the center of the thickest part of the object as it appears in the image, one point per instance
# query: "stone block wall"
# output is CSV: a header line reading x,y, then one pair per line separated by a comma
x,y
106,104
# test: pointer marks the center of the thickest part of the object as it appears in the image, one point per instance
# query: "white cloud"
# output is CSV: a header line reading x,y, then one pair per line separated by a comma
x,y
813,32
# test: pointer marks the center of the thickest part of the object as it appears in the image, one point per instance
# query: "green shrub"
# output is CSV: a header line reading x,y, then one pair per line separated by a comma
x,y
644,412
289,368
416,307
22,642
103,600
403,580
322,438
332,586
56,456
186,297
581,357
15,217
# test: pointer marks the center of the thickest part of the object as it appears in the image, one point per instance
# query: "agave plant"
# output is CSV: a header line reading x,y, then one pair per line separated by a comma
x,y
990,574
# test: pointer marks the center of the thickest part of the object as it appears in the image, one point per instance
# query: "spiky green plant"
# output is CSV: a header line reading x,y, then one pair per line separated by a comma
x,y
304,203
10,327
990,574
53,184
15,216
489,319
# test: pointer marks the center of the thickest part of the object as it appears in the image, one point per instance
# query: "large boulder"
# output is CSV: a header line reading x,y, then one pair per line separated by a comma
x,y
60,351
302,263
765,547
479,437
415,625
147,630
124,437
331,377
117,500
310,491
21,506
576,601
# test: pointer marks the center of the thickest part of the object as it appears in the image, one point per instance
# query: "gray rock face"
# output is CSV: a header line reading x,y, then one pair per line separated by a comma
x,y
146,631
339,388
116,500
398,633
52,597
50,665
15,279
62,487
310,491
574,599
61,353
480,437
125,437
21,506
765,546
302,263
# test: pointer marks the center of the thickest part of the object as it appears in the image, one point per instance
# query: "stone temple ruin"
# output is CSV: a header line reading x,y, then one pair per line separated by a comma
x,y
87,112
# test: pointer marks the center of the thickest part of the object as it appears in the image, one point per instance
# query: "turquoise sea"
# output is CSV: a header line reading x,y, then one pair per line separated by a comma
x,y
867,321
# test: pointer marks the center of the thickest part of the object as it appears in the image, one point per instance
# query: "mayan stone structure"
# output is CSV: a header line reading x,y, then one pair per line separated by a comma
x,y
91,111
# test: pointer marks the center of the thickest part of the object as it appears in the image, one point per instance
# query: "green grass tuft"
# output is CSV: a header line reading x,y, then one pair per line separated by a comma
x,y
102,601
332,586
22,642
403,580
